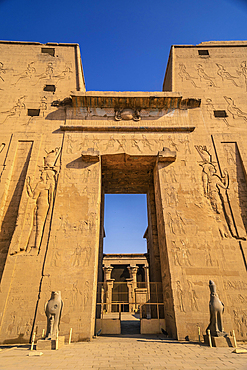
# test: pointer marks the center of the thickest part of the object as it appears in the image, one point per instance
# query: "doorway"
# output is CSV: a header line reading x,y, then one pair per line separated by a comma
x,y
133,263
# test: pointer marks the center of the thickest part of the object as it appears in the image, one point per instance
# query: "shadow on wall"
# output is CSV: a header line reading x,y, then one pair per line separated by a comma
x,y
10,218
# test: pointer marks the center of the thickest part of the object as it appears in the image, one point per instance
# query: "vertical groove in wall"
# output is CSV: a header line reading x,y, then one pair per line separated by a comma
x,y
155,268
11,208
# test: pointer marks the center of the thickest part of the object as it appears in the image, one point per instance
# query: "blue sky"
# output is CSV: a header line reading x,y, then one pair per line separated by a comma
x,y
124,47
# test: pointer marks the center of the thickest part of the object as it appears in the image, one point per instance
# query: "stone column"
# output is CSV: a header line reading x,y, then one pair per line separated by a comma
x,y
132,271
146,269
108,283
109,287
131,295
107,272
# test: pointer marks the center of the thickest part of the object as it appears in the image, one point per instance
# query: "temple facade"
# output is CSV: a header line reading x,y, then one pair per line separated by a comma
x,y
63,148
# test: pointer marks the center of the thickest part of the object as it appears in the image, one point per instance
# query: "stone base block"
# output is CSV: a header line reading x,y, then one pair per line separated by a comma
x,y
152,326
108,326
43,344
220,341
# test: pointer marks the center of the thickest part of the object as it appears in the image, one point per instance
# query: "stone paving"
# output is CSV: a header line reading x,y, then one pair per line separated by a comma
x,y
124,352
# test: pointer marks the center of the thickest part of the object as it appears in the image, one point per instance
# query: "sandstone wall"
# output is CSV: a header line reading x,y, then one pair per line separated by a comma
x,y
206,230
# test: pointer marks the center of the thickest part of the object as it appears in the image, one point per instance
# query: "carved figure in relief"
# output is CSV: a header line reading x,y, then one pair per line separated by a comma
x,y
186,143
95,142
185,75
176,251
208,258
81,255
172,143
111,142
176,224
146,143
56,258
28,73
77,256
203,76
16,109
135,143
173,175
53,311
180,295
43,105
43,196
70,144
2,72
84,143
172,196
230,154
210,107
86,293
65,73
234,110
225,75
216,308
185,254
242,71
212,185
237,321
51,158
2,146
48,74
76,296
180,223
193,297
121,143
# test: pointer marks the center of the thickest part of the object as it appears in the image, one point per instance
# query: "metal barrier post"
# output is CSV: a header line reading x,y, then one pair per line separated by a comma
x,y
119,309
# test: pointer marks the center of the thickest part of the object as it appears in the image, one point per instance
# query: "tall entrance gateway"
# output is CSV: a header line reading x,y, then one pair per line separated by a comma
x,y
63,148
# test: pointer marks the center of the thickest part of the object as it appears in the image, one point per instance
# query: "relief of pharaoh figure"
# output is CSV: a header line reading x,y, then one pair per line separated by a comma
x,y
42,194
213,184
42,197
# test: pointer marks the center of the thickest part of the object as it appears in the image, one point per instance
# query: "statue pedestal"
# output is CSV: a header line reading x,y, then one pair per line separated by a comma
x,y
226,341
44,344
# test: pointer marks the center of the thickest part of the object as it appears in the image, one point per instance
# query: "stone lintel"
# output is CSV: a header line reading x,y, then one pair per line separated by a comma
x,y
127,128
135,100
